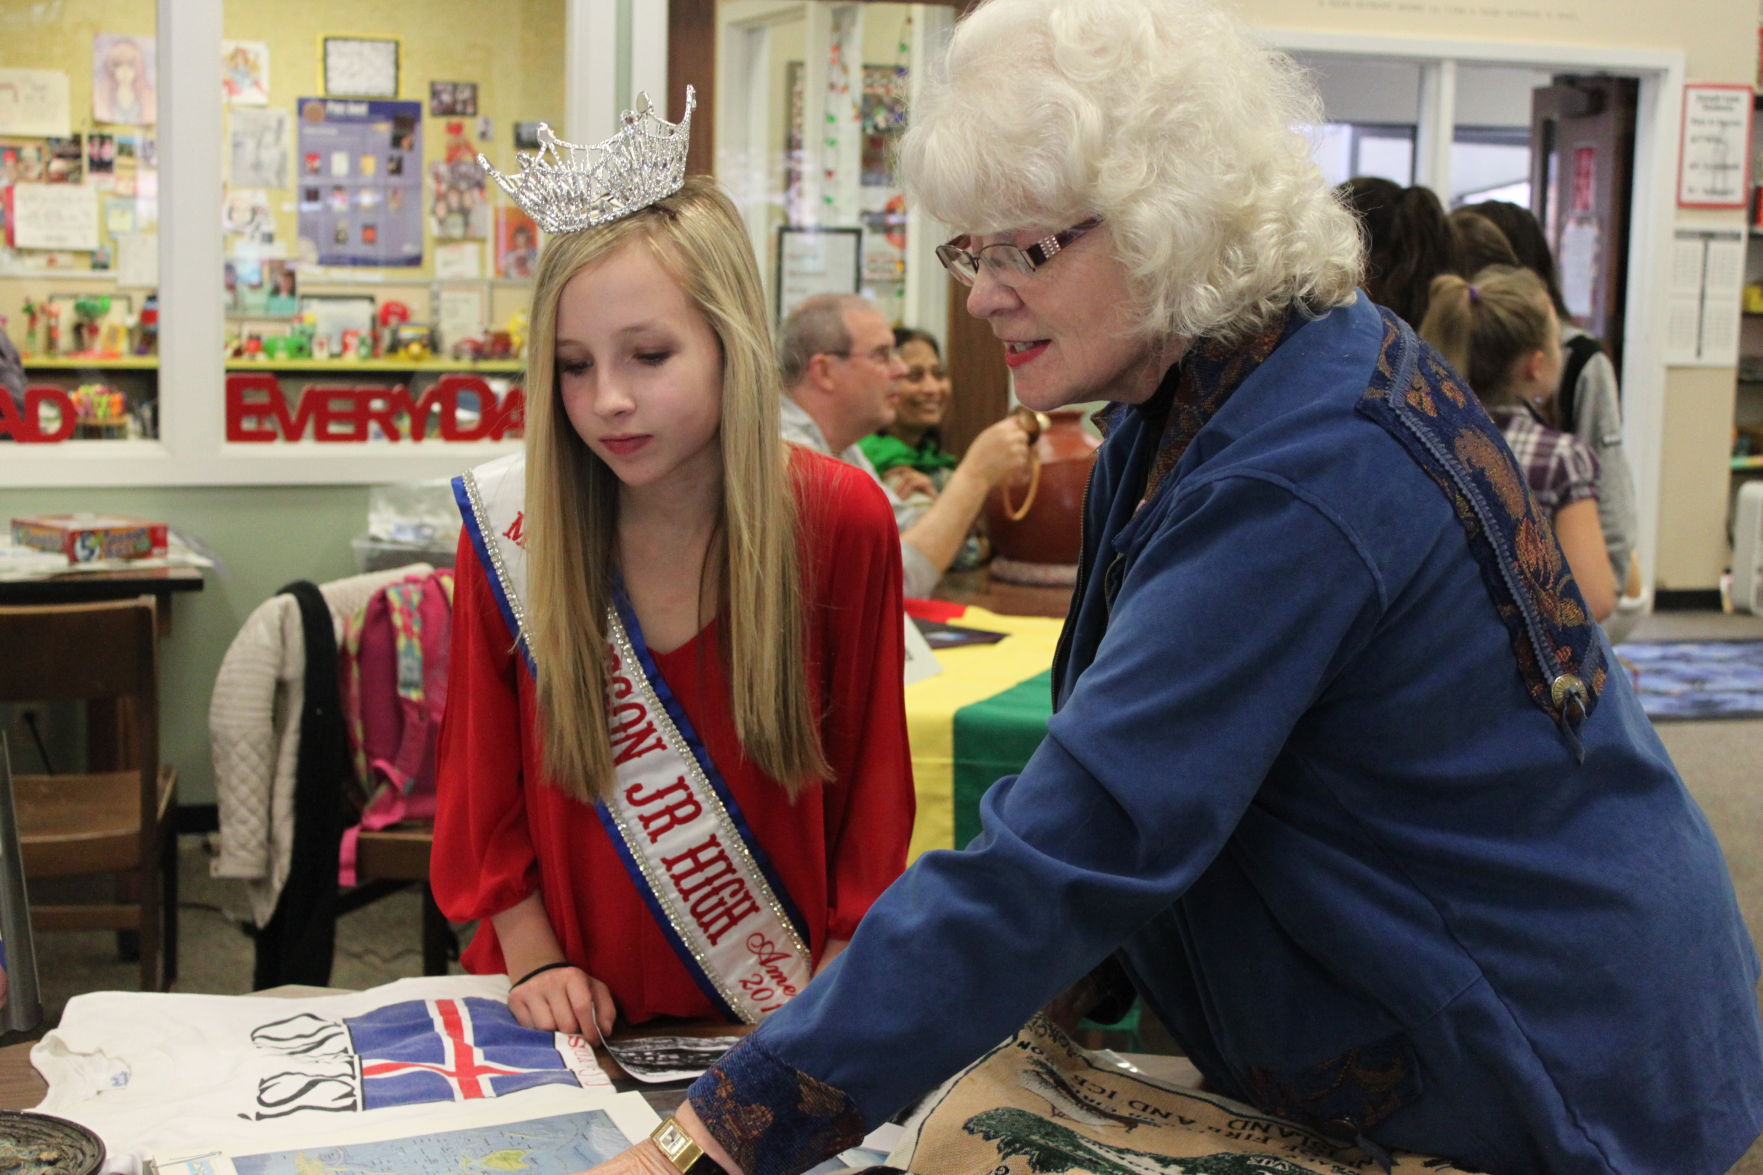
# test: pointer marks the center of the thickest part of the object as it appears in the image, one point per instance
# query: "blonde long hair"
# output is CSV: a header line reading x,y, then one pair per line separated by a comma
x,y
1485,326
572,509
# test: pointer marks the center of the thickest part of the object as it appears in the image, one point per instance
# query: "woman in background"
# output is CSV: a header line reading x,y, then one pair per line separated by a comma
x,y
914,440
1501,334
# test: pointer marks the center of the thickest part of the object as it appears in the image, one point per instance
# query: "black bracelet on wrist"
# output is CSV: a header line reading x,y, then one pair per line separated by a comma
x,y
540,971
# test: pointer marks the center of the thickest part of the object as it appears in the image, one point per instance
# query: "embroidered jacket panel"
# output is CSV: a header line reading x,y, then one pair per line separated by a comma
x,y
1301,772
502,830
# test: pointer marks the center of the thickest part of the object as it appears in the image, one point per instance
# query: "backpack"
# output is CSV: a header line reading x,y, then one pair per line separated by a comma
x,y
1580,350
393,671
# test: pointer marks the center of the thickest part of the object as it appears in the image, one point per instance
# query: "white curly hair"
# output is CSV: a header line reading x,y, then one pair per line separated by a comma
x,y
1169,119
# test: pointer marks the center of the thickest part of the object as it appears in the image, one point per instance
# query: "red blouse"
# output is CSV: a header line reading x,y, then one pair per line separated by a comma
x,y
500,832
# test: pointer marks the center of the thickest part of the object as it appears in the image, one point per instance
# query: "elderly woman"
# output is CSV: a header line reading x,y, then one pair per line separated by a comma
x,y
1340,767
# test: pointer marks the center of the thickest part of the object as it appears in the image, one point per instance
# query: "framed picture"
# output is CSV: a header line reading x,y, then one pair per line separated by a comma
x,y
453,99
816,261
359,67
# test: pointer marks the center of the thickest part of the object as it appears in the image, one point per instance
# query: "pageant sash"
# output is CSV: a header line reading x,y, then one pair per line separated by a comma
x,y
678,830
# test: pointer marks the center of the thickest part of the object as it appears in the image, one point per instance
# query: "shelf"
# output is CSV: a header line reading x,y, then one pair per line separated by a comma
x,y
1747,462
92,363
344,366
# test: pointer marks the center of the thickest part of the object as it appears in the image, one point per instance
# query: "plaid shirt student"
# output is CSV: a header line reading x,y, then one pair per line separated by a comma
x,y
1560,468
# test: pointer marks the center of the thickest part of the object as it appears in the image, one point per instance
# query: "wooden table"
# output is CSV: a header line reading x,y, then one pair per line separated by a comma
x,y
83,587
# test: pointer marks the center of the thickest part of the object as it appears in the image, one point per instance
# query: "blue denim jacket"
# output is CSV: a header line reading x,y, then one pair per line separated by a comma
x,y
1339,768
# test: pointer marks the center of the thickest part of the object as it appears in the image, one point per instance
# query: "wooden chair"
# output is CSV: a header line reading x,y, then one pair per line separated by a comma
x,y
107,822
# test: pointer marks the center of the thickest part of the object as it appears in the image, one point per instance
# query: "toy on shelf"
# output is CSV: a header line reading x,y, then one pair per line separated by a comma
x,y
99,411
33,316
147,327
87,314
52,329
414,341
517,326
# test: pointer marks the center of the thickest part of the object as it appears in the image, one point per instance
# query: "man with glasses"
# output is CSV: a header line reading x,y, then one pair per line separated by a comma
x,y
839,367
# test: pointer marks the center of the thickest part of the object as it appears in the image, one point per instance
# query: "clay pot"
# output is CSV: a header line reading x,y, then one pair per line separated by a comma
x,y
1043,547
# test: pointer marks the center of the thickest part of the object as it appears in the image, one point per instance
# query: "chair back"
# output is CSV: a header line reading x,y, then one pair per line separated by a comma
x,y
88,653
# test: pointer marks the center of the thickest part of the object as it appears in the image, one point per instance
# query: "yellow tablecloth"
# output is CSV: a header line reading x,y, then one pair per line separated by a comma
x,y
970,674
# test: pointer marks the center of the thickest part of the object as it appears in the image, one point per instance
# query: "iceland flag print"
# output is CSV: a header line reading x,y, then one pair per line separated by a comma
x,y
449,1050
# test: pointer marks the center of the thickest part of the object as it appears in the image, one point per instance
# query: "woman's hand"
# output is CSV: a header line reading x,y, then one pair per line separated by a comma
x,y
564,999
645,1158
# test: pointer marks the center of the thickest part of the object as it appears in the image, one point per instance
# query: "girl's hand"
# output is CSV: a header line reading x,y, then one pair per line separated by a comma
x,y
564,999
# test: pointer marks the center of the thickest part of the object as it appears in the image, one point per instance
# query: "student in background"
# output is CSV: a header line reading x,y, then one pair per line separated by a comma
x,y
1588,402
1408,242
1501,334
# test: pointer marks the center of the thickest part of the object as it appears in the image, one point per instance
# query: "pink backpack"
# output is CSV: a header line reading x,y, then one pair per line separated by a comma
x,y
394,686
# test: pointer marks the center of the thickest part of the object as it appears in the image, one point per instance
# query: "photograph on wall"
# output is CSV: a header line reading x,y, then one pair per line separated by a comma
x,y
453,99
101,157
458,209
258,151
261,287
244,72
66,160
526,136
124,80
361,183
23,161
517,243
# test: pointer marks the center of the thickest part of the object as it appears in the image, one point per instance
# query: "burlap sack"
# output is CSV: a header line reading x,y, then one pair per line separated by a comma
x,y
1040,1105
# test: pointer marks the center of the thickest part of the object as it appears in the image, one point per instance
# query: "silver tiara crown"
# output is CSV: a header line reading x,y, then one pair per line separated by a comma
x,y
565,186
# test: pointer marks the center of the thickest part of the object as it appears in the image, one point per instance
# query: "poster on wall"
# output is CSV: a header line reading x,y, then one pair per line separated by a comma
x,y
124,81
34,102
244,72
458,206
1715,145
258,151
360,182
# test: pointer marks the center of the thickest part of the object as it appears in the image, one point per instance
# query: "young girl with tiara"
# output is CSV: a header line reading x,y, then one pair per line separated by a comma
x,y
673,772
1500,332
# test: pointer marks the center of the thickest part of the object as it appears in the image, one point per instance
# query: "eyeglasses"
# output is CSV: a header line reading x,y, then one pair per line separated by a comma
x,y
882,355
1007,264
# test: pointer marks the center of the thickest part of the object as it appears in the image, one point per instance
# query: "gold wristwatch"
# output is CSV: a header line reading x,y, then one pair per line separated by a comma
x,y
687,1157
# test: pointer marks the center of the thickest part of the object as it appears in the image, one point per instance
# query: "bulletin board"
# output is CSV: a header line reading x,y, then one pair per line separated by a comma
x,y
360,181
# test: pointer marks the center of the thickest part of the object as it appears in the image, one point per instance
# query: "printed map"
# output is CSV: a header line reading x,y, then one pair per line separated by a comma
x,y
543,1146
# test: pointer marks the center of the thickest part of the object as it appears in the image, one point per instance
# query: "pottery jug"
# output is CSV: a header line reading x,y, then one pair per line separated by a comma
x,y
1042,547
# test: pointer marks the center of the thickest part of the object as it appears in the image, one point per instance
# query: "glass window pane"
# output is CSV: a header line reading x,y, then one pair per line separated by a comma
x,y
812,100
79,204
365,248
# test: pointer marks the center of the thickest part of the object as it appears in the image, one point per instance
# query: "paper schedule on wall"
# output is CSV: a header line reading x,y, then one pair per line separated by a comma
x,y
1702,311
55,216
